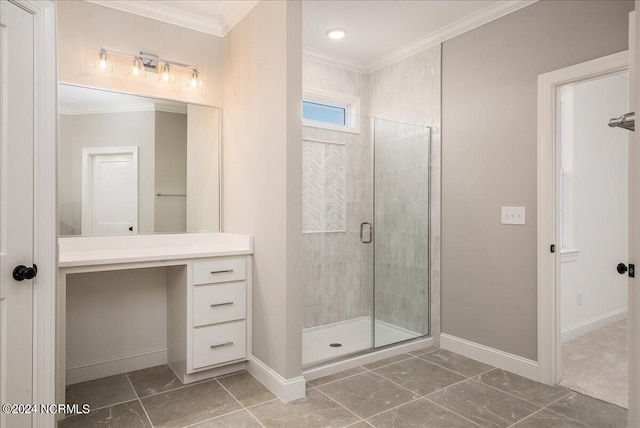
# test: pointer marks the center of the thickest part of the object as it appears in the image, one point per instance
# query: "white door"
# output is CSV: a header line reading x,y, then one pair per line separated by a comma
x,y
16,208
110,202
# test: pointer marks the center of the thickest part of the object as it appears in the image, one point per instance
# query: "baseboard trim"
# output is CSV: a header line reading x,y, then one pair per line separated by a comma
x,y
112,366
589,326
370,357
495,357
285,389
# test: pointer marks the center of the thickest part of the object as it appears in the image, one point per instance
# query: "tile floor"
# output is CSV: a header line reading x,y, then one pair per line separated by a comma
x,y
426,388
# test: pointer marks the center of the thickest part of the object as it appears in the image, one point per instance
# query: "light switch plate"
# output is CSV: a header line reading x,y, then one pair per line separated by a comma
x,y
513,215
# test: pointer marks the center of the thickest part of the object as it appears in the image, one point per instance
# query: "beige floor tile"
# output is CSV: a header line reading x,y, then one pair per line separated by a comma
x,y
367,394
419,376
458,363
101,392
482,404
246,389
127,415
154,380
419,413
314,411
189,405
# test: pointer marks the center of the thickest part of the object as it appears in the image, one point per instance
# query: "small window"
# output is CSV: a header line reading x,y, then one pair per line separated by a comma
x,y
330,110
324,113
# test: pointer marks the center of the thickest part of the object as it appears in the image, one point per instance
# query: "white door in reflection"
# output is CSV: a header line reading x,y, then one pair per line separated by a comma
x,y
110,191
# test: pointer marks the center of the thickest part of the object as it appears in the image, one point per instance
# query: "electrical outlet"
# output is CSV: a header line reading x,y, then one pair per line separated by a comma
x,y
580,298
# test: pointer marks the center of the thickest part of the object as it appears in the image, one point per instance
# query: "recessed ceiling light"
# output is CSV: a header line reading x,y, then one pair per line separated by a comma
x,y
336,33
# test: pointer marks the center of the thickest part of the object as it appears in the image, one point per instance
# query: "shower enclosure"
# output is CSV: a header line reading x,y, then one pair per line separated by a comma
x,y
366,238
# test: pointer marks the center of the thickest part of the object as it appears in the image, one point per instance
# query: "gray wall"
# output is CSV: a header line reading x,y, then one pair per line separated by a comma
x,y
489,88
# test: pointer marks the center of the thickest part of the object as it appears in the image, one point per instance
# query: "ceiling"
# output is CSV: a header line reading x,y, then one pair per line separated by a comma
x,y
379,32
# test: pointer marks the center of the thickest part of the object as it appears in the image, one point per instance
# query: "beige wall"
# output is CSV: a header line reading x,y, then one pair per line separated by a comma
x,y
171,171
83,28
489,87
115,316
262,174
203,173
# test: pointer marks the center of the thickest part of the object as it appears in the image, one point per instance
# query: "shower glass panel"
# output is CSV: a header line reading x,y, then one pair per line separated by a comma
x,y
401,219
365,215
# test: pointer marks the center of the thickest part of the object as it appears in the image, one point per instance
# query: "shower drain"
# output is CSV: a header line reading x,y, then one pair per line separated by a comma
x,y
335,345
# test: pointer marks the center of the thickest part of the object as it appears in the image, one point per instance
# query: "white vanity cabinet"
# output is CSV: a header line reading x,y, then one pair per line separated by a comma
x,y
208,316
208,299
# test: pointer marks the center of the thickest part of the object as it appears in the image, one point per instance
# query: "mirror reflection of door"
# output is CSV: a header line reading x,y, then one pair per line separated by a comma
x,y
110,191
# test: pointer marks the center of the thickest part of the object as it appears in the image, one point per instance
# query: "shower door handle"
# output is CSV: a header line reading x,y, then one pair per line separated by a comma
x,y
362,233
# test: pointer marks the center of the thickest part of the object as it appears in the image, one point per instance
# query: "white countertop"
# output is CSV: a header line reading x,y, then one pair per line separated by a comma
x,y
101,250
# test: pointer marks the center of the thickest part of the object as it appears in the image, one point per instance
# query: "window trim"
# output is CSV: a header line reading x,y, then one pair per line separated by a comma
x,y
350,104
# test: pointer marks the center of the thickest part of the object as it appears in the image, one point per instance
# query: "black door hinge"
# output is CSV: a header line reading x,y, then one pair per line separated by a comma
x,y
552,248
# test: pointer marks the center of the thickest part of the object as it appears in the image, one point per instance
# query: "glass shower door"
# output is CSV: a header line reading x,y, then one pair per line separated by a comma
x,y
401,231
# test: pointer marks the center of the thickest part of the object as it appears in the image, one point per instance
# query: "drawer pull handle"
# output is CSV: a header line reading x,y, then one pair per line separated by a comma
x,y
213,305
220,345
221,271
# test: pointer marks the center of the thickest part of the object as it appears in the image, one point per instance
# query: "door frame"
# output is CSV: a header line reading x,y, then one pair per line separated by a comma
x,y
87,181
549,202
45,247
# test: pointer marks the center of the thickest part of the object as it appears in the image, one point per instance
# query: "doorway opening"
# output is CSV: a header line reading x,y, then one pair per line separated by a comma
x,y
583,222
593,178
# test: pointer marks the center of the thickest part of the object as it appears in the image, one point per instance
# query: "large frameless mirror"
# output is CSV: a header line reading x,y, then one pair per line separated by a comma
x,y
130,164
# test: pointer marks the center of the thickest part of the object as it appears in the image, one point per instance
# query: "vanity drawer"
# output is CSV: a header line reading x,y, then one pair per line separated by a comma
x,y
222,270
219,303
219,343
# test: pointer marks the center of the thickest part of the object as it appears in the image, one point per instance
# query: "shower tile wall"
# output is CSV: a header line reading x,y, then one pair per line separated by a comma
x,y
409,91
338,282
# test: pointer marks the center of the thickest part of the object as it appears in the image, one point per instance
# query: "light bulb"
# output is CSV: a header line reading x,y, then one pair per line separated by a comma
x,y
195,79
104,58
137,68
165,73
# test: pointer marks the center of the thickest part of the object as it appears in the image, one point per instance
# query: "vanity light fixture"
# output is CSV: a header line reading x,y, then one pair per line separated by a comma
x,y
143,61
336,33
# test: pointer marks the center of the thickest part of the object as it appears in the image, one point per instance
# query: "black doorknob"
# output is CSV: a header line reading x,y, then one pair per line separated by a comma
x,y
21,272
131,228
621,268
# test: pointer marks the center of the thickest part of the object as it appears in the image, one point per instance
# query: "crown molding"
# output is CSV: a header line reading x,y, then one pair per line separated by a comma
x,y
234,15
456,28
334,60
156,10
125,108
483,16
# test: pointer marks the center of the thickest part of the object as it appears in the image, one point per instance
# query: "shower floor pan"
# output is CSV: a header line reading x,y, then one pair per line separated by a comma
x,y
352,336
